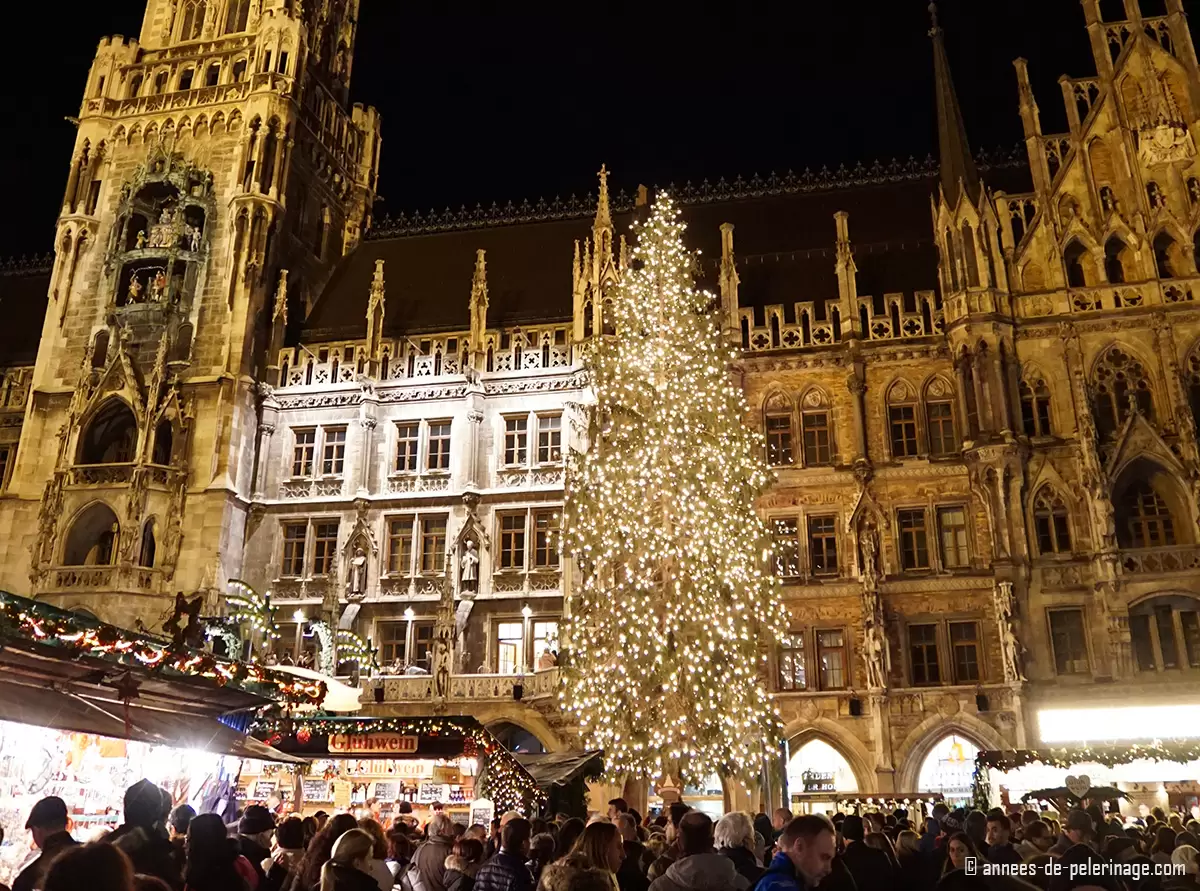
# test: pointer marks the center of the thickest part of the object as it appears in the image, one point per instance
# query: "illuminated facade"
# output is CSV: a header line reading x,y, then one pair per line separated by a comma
x,y
981,407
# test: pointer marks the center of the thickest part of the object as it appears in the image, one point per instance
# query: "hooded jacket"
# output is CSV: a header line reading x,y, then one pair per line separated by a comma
x,y
701,872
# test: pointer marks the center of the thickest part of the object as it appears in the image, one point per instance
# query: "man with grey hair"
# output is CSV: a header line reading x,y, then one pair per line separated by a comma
x,y
698,866
429,860
734,837
630,876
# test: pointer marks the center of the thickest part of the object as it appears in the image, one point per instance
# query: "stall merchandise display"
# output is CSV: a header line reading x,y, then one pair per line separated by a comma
x,y
90,773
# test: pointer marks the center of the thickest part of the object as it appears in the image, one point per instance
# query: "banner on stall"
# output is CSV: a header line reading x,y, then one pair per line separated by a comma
x,y
482,812
372,743
317,790
387,792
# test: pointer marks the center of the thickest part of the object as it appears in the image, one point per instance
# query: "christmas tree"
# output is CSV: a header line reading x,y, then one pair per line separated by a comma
x,y
675,601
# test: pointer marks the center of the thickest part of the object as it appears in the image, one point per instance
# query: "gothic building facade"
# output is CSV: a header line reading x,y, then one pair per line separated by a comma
x,y
978,381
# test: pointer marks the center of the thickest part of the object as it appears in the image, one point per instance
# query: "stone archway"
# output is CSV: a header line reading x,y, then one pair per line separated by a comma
x,y
801,732
929,733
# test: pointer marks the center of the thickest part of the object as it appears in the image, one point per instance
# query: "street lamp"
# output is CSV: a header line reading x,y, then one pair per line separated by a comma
x,y
525,642
409,615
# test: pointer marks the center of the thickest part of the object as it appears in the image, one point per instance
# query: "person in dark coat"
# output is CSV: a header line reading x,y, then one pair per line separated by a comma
x,y
734,838
630,876
255,829
142,837
48,824
869,866
999,845
506,871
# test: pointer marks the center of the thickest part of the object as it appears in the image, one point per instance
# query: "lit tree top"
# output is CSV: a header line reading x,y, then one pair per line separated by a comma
x,y
675,597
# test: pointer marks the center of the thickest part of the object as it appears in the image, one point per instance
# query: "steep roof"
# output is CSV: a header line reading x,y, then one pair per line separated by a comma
x,y
784,241
24,292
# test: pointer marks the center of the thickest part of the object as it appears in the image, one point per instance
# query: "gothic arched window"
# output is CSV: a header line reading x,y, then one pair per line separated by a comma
x,y
146,552
1166,256
1116,261
1076,261
1120,380
777,421
237,17
970,259
1051,522
939,419
1143,518
111,437
92,539
192,21
1035,407
816,428
902,420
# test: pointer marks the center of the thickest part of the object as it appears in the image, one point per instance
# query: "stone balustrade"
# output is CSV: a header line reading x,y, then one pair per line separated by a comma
x,y
466,687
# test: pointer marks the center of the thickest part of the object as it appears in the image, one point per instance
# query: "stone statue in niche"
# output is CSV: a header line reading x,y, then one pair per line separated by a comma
x,y
358,573
868,542
141,239
875,646
194,238
469,563
158,287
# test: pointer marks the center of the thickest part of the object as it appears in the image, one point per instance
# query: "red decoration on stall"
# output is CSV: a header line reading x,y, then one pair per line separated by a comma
x,y
303,735
274,739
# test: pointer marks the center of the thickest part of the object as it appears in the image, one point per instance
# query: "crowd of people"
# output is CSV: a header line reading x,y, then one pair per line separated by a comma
x,y
165,848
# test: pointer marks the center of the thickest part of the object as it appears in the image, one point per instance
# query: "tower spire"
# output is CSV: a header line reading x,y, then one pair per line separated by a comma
x,y
603,217
954,154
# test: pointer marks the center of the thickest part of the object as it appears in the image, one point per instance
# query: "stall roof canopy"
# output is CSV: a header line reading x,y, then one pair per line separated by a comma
x,y
559,768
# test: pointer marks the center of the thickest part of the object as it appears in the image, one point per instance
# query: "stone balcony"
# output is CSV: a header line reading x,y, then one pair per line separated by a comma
x,y
102,580
1177,558
466,687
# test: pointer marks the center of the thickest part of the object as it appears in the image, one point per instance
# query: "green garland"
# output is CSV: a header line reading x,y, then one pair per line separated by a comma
x,y
1179,751
502,778
39,623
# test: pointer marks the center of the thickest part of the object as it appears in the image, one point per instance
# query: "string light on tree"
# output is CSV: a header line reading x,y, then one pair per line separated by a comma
x,y
675,597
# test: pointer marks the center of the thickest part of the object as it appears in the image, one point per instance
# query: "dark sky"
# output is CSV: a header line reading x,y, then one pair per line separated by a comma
x,y
481,104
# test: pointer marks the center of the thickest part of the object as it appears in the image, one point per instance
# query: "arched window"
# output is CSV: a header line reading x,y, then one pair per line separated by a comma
x,y
162,444
1035,407
777,421
1166,256
1165,633
817,766
1077,263
92,539
1143,518
589,323
949,769
516,739
1051,522
970,259
239,71
160,82
608,325
213,75
147,550
237,17
939,419
111,437
902,420
1120,382
192,22
816,429
135,86
1116,261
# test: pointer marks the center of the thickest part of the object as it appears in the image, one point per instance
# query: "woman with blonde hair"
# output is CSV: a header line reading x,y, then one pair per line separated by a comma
x,y
379,869
349,866
574,873
602,845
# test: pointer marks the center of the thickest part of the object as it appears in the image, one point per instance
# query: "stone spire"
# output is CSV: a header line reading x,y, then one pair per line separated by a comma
x,y
376,307
603,215
479,302
954,154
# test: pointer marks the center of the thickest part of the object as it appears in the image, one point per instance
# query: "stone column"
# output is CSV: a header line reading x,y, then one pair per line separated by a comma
x,y
982,404
960,375
365,451
1003,395
273,187
266,429
858,388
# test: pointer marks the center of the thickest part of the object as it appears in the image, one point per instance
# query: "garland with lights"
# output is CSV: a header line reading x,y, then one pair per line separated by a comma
x,y
247,607
353,647
676,598
1178,751
43,624
501,777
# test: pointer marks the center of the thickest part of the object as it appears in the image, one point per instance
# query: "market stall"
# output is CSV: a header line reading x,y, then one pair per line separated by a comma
x,y
1133,778
388,765
89,709
563,777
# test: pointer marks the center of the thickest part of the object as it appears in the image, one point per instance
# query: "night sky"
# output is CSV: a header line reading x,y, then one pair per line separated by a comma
x,y
481,105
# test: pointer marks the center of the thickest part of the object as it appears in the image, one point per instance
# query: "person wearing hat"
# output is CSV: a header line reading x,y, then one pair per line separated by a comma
x,y
48,824
254,837
143,837
1076,831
